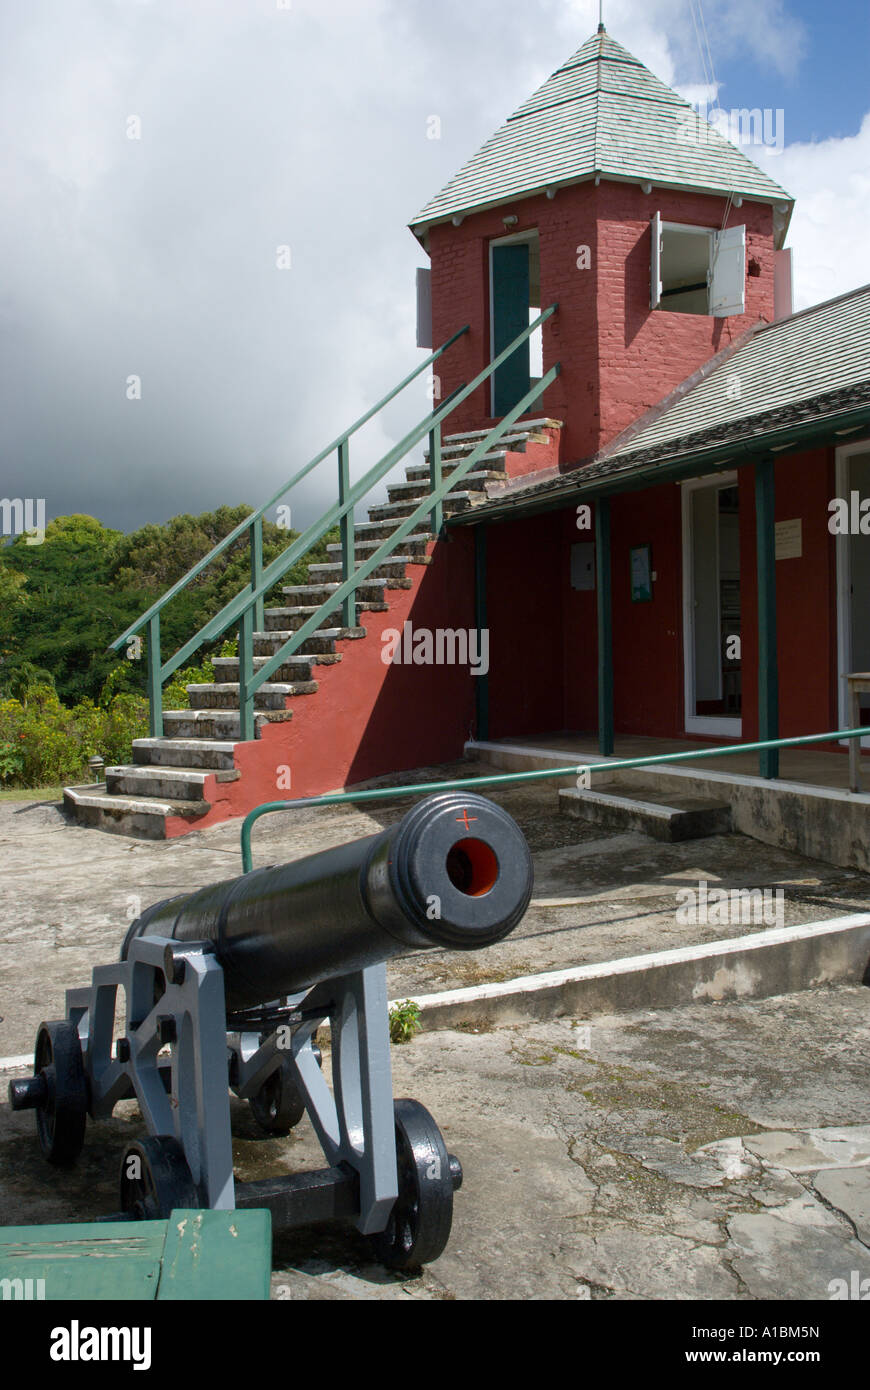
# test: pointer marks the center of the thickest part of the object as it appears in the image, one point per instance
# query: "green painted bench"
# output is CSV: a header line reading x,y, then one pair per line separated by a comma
x,y
196,1254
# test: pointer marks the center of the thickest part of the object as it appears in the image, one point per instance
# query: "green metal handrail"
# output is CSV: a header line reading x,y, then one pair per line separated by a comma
x,y
247,608
504,778
253,525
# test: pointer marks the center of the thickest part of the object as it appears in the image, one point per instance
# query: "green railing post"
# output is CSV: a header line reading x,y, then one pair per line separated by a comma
x,y
155,683
346,531
768,679
246,674
437,513
257,572
481,683
605,626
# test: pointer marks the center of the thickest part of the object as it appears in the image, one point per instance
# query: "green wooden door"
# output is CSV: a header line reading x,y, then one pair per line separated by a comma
x,y
510,316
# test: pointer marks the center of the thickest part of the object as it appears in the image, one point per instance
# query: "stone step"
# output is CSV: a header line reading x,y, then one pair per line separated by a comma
x,y
292,618
294,670
142,817
381,530
412,546
322,643
218,724
390,569
204,754
517,432
312,595
269,696
163,782
415,490
493,465
663,815
454,502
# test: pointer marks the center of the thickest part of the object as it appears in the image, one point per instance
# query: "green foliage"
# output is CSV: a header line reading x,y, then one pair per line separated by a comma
x,y
42,741
63,602
404,1021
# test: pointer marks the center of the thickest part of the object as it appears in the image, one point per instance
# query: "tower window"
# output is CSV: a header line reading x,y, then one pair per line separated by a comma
x,y
696,270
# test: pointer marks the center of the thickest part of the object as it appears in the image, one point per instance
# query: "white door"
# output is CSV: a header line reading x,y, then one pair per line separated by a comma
x,y
853,576
711,606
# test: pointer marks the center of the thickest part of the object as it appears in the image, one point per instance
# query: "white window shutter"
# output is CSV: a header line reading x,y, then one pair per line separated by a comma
x,y
424,308
728,280
655,270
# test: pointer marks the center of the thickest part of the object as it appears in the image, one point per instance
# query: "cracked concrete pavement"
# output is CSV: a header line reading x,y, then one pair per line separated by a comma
x,y
709,1152
716,1151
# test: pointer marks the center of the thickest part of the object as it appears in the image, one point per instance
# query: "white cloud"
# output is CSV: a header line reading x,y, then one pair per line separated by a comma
x,y
261,127
830,181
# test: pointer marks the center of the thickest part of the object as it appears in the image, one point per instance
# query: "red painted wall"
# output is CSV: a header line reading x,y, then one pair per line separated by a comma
x,y
647,637
806,615
367,719
618,356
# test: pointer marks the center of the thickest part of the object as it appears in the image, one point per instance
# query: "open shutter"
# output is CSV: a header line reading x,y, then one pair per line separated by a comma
x,y
424,308
655,270
728,280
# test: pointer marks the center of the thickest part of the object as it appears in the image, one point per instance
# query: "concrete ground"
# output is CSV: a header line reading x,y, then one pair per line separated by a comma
x,y
71,892
814,767
709,1152
712,1151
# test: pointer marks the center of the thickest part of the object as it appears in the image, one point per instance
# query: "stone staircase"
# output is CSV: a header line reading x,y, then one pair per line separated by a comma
x,y
172,783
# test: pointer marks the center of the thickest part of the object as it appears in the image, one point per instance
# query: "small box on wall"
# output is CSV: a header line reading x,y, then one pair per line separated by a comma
x,y
641,574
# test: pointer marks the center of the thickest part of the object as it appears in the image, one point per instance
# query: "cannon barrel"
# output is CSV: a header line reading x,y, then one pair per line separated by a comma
x,y
455,871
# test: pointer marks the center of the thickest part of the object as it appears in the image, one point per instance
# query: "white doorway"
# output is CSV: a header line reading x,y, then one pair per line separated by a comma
x,y
711,606
853,580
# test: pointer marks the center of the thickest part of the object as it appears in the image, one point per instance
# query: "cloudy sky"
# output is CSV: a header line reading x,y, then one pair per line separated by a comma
x,y
262,124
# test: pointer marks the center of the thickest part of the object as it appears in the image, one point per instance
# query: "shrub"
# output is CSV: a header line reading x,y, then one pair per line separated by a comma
x,y
43,743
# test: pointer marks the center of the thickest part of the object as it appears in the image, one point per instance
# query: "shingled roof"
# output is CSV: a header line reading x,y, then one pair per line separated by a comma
x,y
602,113
807,373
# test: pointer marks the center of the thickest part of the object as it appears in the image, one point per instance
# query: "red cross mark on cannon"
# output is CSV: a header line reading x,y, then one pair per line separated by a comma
x,y
464,820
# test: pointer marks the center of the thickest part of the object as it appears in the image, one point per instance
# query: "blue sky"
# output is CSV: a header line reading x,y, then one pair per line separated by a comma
x,y
826,93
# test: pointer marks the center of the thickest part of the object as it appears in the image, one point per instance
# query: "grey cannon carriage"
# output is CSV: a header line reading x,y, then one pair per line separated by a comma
x,y
224,990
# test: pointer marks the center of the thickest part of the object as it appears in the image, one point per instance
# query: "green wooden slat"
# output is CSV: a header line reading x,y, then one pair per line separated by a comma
x,y
194,1255
217,1255
89,1261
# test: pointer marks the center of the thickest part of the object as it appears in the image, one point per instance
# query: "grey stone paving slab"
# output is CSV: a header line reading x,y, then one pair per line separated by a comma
x,y
621,1169
848,1189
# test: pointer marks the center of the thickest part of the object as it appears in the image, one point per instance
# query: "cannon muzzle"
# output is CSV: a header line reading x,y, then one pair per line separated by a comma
x,y
455,871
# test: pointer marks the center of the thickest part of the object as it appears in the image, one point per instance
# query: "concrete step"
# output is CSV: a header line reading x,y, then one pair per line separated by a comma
x,y
139,816
396,511
393,568
412,546
163,783
292,618
295,670
380,530
518,433
494,466
415,490
662,815
201,753
312,595
219,724
268,697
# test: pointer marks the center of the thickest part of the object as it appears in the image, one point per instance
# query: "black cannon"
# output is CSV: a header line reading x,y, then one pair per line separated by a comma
x,y
224,990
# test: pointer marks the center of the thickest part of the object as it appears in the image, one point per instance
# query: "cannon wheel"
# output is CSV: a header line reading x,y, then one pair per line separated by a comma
x,y
160,1182
278,1105
62,1115
419,1224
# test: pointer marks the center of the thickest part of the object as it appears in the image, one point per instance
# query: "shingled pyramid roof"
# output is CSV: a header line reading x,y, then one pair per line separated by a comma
x,y
602,113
